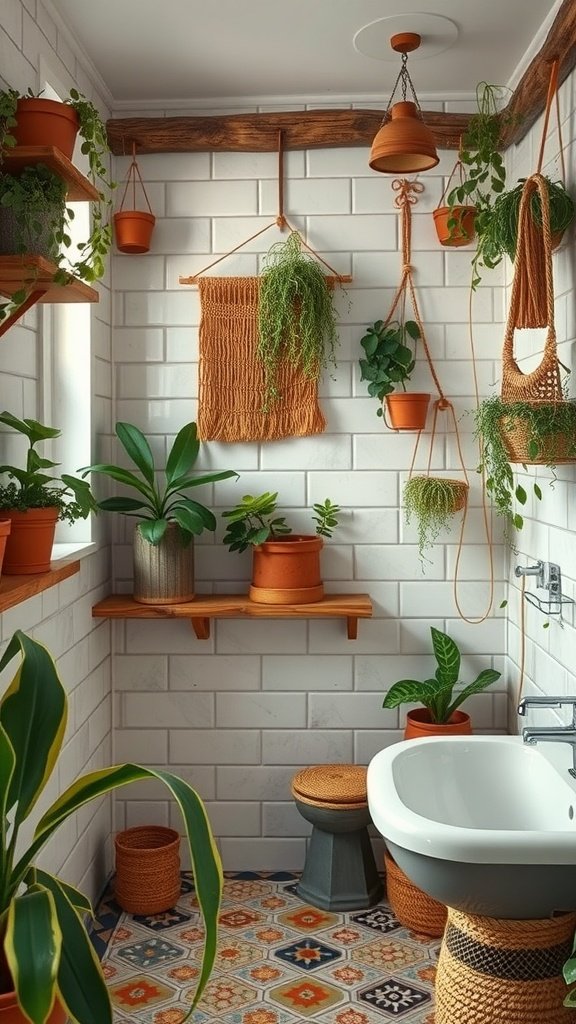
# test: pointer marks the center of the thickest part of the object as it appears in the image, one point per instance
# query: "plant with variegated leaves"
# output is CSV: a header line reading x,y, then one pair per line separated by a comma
x,y
436,693
47,953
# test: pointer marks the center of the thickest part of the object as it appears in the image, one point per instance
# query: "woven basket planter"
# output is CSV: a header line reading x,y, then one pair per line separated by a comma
x,y
503,972
147,869
412,907
554,449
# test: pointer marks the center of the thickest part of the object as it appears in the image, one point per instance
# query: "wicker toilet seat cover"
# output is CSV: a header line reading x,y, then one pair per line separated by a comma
x,y
337,786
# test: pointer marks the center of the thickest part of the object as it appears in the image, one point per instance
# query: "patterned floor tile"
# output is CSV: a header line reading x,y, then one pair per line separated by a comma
x,y
279,960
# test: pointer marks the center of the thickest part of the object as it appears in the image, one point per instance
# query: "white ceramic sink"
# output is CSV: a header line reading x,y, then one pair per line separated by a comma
x,y
483,823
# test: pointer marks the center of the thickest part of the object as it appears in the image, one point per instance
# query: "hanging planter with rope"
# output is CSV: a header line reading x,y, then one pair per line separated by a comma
x,y
454,222
133,227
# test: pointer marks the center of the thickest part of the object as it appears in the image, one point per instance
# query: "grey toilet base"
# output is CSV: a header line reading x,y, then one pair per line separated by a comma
x,y
340,871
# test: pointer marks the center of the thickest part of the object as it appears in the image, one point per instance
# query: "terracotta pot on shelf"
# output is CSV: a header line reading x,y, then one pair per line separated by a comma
x,y
462,232
5,527
407,410
419,725
287,571
133,230
29,543
46,123
10,1012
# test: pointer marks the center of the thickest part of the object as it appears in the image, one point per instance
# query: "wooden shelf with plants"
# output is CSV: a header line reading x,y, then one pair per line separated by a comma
x,y
79,188
237,606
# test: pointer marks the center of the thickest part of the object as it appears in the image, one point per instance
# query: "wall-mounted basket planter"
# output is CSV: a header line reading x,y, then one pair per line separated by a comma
x,y
455,225
407,410
46,123
133,228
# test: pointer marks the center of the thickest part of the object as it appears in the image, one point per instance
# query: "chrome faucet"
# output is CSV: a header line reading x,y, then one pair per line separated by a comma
x,y
551,734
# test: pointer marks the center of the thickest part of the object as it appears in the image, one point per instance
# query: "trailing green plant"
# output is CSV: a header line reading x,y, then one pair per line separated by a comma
x,y
158,504
436,693
296,315
31,487
252,521
432,502
502,231
544,421
388,359
36,199
46,950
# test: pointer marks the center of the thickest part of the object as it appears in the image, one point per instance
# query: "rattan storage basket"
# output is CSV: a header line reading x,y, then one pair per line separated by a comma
x,y
147,869
412,907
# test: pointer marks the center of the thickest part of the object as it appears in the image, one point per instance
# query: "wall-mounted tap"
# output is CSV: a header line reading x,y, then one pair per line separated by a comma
x,y
548,577
551,734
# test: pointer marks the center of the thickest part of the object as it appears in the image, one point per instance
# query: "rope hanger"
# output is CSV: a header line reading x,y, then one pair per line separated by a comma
x,y
280,222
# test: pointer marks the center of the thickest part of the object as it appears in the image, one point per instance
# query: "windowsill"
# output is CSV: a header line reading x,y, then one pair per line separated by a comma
x,y
77,549
16,589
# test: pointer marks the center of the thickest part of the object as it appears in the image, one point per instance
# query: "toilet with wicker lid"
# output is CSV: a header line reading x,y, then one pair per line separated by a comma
x,y
340,871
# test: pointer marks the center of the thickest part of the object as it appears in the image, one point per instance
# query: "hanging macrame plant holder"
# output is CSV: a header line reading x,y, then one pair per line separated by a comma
x,y
232,388
455,224
133,227
541,388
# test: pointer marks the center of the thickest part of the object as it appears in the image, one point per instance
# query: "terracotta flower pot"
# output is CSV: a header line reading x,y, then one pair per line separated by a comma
x,y
29,543
147,869
460,233
419,725
5,527
133,230
10,1012
287,571
46,123
407,411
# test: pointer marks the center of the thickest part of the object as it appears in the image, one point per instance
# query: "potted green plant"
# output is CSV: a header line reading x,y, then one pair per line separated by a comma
x,y
296,315
48,969
34,501
439,714
502,228
285,566
432,501
33,213
546,433
389,361
169,519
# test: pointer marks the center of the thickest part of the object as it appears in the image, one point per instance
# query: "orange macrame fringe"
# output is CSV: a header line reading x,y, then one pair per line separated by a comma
x,y
231,374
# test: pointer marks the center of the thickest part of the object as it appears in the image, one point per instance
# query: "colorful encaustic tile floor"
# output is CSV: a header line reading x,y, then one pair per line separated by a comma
x,y
279,961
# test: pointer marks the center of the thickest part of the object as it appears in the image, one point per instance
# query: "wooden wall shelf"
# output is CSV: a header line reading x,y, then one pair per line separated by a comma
x,y
15,589
80,188
237,606
35,274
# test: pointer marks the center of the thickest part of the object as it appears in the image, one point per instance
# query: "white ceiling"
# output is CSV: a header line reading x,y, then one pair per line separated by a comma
x,y
171,50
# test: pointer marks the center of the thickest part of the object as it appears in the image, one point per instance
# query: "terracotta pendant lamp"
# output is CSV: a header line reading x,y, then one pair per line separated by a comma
x,y
403,144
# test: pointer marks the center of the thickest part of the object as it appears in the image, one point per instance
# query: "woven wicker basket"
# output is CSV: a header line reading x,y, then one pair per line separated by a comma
x,y
503,972
412,907
147,869
554,449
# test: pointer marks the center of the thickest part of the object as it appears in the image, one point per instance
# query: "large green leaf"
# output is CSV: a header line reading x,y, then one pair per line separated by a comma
x,y
183,453
32,429
32,944
120,504
80,982
7,764
122,476
33,714
447,655
73,895
204,855
189,519
412,691
153,530
181,483
137,447
486,678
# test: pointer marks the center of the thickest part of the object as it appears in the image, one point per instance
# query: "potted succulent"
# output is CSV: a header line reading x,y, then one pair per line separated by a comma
x,y
296,315
439,714
285,566
169,519
528,432
48,969
388,362
432,501
34,501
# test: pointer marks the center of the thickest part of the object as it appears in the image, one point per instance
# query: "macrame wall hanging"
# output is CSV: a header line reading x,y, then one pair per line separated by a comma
x,y
233,399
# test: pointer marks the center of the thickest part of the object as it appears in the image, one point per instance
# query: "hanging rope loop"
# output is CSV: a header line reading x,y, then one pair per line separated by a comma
x,y
133,177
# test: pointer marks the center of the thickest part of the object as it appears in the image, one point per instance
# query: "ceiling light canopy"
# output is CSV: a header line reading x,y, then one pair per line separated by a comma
x,y
403,144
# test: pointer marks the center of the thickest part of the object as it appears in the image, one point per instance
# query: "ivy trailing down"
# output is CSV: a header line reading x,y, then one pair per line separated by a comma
x,y
432,501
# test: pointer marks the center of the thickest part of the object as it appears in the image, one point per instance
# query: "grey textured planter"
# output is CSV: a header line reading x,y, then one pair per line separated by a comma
x,y
164,572
36,238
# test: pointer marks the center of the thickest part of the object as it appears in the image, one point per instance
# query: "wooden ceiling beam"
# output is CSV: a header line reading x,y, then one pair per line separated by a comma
x,y
315,129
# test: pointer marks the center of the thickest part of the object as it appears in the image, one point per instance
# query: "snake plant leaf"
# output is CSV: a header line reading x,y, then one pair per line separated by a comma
x,y
33,717
136,446
7,765
486,677
32,945
183,453
447,655
205,858
79,978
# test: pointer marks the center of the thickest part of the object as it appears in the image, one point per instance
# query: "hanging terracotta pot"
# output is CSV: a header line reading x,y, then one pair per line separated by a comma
x,y
29,543
10,1012
46,123
5,527
419,724
455,225
133,228
287,571
407,410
